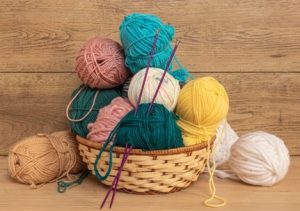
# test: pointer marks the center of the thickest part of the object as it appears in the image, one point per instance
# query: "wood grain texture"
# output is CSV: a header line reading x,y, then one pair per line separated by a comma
x,y
217,36
36,102
87,196
250,46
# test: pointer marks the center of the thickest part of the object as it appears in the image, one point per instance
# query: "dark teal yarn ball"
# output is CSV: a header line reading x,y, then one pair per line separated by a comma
x,y
82,104
154,131
137,32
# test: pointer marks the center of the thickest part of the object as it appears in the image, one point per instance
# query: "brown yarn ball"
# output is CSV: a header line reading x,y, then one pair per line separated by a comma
x,y
100,63
44,158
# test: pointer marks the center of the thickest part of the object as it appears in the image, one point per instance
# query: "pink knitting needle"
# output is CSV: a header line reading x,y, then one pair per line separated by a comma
x,y
163,76
147,70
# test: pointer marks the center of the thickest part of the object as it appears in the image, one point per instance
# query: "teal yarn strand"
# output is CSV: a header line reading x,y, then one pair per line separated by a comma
x,y
154,131
82,104
111,147
137,32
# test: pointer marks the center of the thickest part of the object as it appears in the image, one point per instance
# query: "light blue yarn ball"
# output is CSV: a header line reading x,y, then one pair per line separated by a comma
x,y
137,32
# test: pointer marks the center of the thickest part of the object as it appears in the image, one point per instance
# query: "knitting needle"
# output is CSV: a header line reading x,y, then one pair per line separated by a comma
x,y
115,182
126,154
147,69
163,76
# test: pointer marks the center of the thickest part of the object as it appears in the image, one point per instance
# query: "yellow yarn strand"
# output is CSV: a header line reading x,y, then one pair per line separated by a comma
x,y
211,184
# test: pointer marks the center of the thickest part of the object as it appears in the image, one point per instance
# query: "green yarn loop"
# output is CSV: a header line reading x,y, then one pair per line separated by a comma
x,y
62,186
154,131
83,103
137,32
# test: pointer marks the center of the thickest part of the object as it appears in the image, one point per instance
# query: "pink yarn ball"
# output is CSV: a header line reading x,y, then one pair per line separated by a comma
x,y
108,117
100,63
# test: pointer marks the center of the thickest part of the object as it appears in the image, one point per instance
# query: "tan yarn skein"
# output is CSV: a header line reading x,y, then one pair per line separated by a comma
x,y
44,158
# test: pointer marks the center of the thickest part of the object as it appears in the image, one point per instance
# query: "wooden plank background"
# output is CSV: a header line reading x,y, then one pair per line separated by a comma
x,y
251,46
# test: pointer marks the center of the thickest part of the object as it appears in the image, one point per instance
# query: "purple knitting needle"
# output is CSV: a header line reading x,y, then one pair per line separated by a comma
x,y
126,154
147,69
115,182
163,76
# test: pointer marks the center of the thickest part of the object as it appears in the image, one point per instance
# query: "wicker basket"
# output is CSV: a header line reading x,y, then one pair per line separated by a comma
x,y
149,172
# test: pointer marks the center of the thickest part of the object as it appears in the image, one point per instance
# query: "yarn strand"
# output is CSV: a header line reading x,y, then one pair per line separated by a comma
x,y
104,146
89,111
62,186
211,184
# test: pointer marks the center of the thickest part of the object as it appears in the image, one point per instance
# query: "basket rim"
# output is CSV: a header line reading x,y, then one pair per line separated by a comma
x,y
120,150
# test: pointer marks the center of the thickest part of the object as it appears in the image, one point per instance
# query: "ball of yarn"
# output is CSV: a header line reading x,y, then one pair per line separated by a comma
x,y
125,87
84,102
108,117
168,92
100,63
137,32
44,158
154,131
225,138
259,158
202,104
68,137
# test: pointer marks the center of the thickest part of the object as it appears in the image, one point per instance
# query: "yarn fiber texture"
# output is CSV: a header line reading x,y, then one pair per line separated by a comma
x,y
100,63
108,117
44,158
154,131
137,32
202,104
82,104
168,92
225,138
125,87
259,158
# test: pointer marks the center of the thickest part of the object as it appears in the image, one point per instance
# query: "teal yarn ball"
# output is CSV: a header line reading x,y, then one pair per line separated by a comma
x,y
154,131
137,32
83,103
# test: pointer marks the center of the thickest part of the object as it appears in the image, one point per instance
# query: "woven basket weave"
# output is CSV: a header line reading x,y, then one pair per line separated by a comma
x,y
149,172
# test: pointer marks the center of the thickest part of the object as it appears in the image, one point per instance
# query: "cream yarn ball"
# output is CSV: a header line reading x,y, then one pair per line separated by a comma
x,y
225,138
168,92
259,158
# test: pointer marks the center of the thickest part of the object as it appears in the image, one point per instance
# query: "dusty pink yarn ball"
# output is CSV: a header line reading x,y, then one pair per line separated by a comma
x,y
100,63
108,117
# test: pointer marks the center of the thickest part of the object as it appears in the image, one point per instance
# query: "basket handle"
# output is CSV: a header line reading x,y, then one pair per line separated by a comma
x,y
71,102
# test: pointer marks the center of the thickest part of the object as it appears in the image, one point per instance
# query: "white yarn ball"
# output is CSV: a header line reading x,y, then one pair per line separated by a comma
x,y
168,92
225,138
259,158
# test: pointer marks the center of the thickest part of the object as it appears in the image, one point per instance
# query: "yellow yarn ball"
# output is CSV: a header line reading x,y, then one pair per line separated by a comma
x,y
202,104
44,158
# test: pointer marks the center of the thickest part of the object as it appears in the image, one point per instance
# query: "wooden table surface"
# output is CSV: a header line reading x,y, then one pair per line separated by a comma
x,y
284,196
